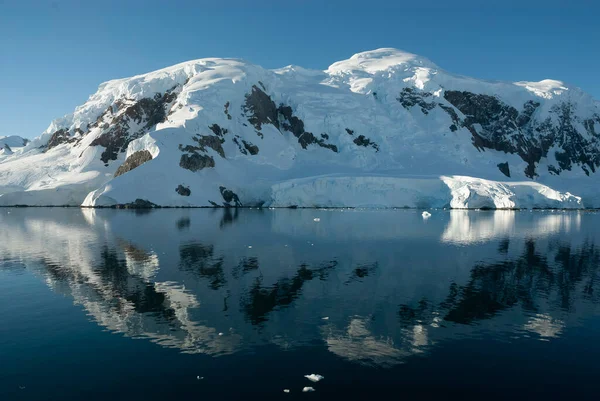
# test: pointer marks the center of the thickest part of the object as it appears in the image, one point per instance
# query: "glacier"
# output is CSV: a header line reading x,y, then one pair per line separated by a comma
x,y
383,129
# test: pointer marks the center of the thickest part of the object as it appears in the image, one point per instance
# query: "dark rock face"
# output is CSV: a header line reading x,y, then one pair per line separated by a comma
x,y
227,111
252,149
137,204
506,129
218,131
145,113
183,191
195,162
361,140
295,125
213,142
7,148
134,161
229,197
496,125
504,169
410,97
59,137
261,109
201,260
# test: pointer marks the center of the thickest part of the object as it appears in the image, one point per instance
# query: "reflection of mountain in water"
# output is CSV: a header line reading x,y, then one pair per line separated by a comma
x,y
237,273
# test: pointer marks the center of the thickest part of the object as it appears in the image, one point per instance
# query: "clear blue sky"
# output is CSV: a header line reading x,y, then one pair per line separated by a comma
x,y
54,54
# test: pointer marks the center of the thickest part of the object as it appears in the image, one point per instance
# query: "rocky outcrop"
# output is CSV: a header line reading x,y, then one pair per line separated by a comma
x,y
59,137
362,140
135,160
195,162
183,191
137,204
410,97
230,197
128,120
496,125
261,109
504,169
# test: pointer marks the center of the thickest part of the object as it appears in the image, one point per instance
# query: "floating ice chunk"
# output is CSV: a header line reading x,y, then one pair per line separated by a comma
x,y
287,390
199,377
249,246
220,334
426,215
316,219
325,318
308,390
314,377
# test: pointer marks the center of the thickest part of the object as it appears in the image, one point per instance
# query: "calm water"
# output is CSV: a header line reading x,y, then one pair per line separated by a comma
x,y
107,304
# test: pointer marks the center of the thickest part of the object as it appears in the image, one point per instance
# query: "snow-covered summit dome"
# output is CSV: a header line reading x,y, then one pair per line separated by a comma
x,y
374,61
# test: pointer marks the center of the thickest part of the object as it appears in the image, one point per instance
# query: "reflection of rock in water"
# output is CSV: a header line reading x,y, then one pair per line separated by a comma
x,y
183,223
362,271
557,278
199,259
122,301
261,301
229,216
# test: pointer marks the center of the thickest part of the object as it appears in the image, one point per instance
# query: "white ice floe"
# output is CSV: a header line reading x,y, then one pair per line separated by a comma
x,y
426,215
314,377
308,390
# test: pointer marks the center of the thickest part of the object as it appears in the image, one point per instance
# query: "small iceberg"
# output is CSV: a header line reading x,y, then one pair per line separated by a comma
x,y
287,390
308,390
317,219
314,377
426,215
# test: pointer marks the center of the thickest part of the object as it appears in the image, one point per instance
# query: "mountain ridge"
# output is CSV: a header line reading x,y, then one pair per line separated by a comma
x,y
217,130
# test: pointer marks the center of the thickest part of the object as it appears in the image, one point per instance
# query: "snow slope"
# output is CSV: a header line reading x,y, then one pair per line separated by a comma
x,y
384,128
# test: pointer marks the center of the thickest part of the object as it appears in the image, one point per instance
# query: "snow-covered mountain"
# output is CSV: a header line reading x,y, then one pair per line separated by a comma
x,y
384,128
9,144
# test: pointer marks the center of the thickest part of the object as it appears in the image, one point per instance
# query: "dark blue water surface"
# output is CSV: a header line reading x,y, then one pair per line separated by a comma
x,y
230,304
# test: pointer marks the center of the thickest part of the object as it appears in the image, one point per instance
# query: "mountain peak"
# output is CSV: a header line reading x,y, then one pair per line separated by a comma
x,y
373,61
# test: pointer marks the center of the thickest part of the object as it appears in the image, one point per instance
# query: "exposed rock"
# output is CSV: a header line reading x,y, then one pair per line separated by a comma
x,y
59,137
213,142
504,169
183,191
410,97
229,196
349,131
137,204
295,125
135,160
195,162
362,140
227,111
260,108
145,113
252,149
217,130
